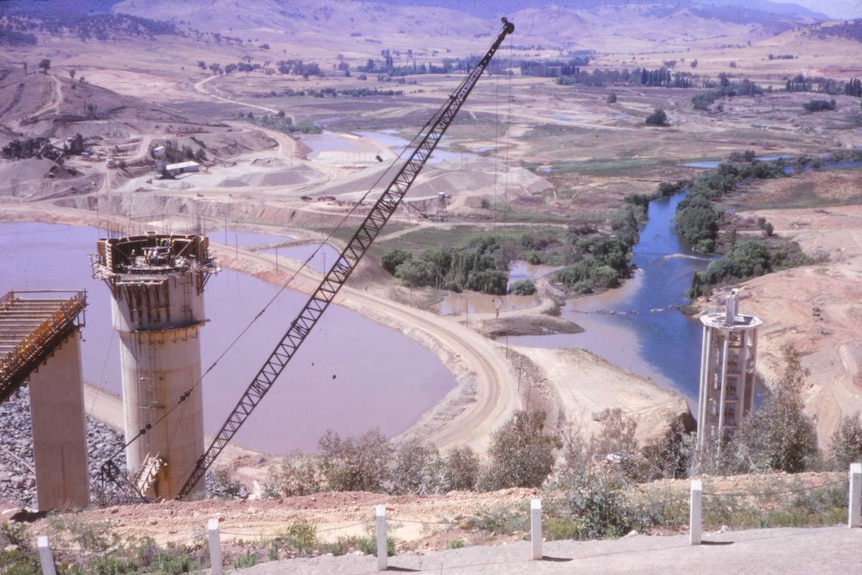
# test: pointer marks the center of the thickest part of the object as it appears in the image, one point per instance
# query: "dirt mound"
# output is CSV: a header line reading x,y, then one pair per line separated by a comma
x,y
265,177
21,94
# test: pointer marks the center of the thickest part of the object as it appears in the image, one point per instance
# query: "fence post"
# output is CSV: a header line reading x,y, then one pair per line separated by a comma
x,y
695,515
536,527
855,508
46,559
382,552
216,567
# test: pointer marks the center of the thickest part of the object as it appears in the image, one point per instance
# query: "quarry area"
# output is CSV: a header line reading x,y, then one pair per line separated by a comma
x,y
525,153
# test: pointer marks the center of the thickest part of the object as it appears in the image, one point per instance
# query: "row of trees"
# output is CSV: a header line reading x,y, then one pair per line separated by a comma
x,y
661,77
801,83
481,266
697,219
48,20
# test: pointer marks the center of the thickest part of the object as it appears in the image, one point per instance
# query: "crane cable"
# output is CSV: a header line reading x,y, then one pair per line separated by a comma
x,y
339,226
185,395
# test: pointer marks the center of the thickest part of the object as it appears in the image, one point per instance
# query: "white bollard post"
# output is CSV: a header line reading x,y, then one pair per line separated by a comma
x,y
855,509
382,553
46,559
536,527
695,515
216,567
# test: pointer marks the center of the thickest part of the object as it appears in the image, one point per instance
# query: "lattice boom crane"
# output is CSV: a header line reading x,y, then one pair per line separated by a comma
x,y
334,279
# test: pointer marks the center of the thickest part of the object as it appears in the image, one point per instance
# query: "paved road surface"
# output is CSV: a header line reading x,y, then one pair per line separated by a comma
x,y
824,550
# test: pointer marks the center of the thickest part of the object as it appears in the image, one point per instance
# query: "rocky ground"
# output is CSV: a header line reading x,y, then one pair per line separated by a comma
x,y
17,475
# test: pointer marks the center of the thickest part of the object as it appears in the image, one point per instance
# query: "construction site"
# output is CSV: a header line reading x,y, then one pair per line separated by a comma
x,y
343,192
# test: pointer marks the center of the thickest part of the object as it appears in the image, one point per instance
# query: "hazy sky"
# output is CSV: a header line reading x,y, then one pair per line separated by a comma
x,y
845,9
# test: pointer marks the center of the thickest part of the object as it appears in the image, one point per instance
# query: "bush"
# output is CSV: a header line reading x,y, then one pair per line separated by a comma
x,y
612,98
779,436
417,469
391,260
523,287
846,447
819,105
462,468
298,474
657,118
359,464
220,485
521,453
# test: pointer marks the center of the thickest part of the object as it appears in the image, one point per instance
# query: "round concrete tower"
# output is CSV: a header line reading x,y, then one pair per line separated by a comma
x,y
157,285
727,372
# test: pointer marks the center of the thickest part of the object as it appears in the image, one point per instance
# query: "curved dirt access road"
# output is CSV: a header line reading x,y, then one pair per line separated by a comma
x,y
487,391
52,105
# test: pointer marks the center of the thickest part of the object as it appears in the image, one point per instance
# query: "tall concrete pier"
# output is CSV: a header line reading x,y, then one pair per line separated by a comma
x,y
157,284
727,372
40,343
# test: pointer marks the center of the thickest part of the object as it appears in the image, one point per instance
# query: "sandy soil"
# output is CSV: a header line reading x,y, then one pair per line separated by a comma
x,y
815,308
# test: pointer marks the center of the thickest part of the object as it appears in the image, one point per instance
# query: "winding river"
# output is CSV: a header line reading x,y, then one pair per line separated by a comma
x,y
639,327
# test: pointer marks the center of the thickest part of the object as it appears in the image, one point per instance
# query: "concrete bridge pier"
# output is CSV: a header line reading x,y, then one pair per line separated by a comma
x,y
60,429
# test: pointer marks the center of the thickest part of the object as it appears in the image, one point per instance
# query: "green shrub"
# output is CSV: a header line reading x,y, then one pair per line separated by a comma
x,y
846,445
355,464
248,559
521,454
657,118
523,287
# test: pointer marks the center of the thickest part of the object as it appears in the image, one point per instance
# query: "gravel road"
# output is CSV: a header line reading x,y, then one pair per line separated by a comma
x,y
761,551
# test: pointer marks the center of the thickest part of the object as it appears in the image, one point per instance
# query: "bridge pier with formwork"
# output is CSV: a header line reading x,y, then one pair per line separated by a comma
x,y
157,284
40,342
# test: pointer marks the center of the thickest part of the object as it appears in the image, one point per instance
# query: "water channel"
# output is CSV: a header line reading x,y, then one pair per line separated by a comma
x,y
639,327
350,375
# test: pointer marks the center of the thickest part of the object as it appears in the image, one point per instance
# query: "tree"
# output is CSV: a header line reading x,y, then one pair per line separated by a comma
x,y
45,64
657,118
846,445
523,287
779,436
418,469
521,453
359,464
612,98
462,469
72,73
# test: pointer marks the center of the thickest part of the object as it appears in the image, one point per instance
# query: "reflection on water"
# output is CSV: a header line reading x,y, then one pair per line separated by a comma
x,y
467,303
350,375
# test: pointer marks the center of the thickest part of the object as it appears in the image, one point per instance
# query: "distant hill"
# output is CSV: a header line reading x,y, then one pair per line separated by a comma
x,y
561,24
365,26
722,9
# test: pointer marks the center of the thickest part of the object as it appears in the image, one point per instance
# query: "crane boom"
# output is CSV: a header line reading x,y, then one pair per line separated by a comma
x,y
334,279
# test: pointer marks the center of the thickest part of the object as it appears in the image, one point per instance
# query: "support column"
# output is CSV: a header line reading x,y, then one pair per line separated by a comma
x,y
60,429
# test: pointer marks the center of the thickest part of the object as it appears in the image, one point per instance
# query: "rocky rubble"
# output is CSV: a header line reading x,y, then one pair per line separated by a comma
x,y
17,475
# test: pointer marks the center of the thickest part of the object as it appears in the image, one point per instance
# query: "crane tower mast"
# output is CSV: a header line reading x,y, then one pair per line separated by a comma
x,y
334,279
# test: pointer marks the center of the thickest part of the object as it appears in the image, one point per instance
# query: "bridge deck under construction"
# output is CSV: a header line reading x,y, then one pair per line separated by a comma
x,y
32,325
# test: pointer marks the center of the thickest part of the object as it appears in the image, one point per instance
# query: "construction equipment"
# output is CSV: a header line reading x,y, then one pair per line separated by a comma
x,y
334,279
